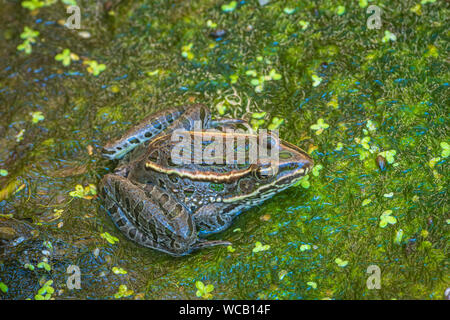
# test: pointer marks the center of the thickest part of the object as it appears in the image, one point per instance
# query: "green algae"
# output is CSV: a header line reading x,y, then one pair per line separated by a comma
x,y
368,92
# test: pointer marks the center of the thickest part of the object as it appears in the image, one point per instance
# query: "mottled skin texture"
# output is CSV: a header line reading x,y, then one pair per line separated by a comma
x,y
166,206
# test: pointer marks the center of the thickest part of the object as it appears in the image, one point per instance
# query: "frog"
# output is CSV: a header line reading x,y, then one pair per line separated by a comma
x,y
172,206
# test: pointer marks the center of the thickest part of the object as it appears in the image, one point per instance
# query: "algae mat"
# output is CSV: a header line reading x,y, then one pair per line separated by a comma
x,y
366,97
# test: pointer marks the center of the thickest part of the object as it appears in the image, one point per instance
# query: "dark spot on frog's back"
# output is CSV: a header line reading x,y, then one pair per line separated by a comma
x,y
134,141
169,118
138,209
164,198
157,125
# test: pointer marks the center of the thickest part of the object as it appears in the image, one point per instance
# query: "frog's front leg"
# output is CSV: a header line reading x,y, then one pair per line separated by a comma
x,y
162,122
212,218
149,216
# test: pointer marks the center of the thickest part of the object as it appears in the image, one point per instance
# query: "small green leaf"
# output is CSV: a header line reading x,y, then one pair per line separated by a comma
x,y
3,287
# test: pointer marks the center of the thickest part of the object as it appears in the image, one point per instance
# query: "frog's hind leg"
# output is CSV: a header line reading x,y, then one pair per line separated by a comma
x,y
148,129
148,215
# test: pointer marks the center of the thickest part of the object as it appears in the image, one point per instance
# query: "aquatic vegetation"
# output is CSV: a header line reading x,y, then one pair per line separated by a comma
x,y
341,263
111,239
275,123
88,192
340,10
381,94
66,57
32,4
320,126
94,67
260,247
118,270
44,265
389,36
29,35
445,149
305,247
204,291
230,249
229,7
387,218
3,287
29,266
45,292
123,292
316,80
388,155
37,116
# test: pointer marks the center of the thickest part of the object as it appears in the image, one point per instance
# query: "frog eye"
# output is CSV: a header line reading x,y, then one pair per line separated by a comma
x,y
154,156
260,175
246,185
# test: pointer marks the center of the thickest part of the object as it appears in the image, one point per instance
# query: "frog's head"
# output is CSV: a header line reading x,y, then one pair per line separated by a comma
x,y
286,166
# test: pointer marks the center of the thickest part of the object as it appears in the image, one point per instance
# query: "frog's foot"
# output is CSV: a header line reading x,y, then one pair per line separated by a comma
x,y
152,126
201,244
211,219
148,215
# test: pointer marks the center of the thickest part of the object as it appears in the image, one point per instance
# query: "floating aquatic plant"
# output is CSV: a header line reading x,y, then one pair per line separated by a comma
x,y
341,263
123,292
316,80
44,265
363,3
230,249
389,36
229,7
32,4
305,247
88,192
388,155
29,35
340,10
94,67
275,123
3,287
260,247
203,291
289,10
45,292
304,24
320,126
37,116
111,239
118,270
445,149
66,57
386,219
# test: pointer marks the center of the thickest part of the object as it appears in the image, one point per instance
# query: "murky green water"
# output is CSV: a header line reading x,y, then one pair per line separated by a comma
x,y
375,90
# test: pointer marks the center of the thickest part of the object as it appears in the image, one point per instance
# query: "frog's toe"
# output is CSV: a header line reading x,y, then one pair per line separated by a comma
x,y
201,244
